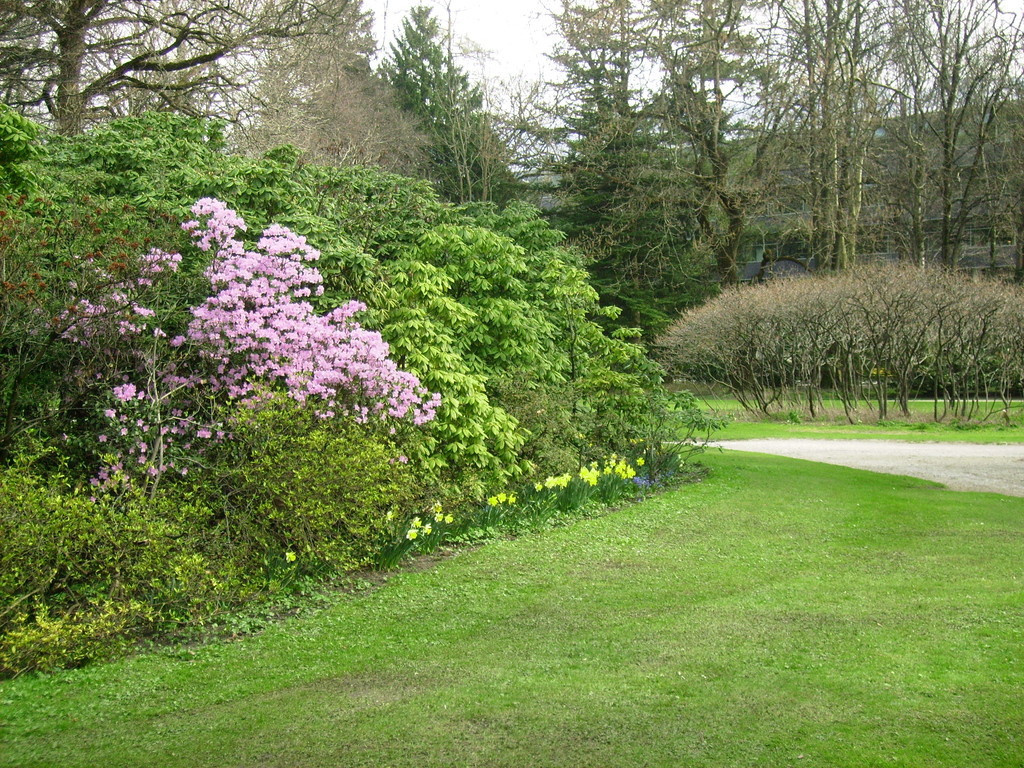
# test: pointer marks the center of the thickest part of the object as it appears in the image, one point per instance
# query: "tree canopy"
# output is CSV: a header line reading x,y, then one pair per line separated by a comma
x,y
79,61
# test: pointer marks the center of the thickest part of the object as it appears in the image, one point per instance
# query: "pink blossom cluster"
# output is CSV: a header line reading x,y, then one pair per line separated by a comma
x,y
221,224
142,427
118,311
156,262
150,436
257,326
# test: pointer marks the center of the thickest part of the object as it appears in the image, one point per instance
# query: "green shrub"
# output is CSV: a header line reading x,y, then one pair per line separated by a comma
x,y
54,256
485,306
82,577
40,642
547,416
464,296
320,489
18,145
291,495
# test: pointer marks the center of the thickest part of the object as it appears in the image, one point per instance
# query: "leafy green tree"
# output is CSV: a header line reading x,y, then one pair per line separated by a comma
x,y
467,161
713,103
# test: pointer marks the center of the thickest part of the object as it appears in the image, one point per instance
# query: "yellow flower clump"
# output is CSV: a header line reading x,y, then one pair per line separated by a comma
x,y
502,498
562,481
590,475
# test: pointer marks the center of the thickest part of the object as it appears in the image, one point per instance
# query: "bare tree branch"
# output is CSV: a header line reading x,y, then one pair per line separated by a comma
x,y
75,59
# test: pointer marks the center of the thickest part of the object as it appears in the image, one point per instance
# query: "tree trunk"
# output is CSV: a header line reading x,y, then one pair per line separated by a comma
x,y
69,102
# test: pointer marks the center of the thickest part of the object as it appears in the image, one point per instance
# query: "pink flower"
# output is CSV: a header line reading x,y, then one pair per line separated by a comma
x,y
125,392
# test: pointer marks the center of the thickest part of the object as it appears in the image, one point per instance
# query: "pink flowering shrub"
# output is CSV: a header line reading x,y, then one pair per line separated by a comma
x,y
257,326
100,324
256,331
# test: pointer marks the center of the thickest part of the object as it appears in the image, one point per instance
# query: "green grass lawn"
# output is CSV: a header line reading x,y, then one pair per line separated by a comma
x,y
780,613
744,426
917,432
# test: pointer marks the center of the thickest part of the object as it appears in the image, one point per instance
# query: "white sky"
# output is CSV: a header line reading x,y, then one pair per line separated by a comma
x,y
514,33
512,36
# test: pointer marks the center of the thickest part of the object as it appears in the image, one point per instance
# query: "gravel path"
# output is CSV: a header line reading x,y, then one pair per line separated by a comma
x,y
958,466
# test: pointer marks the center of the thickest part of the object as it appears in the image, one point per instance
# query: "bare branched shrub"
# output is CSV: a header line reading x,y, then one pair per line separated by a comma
x,y
962,358
874,336
1008,345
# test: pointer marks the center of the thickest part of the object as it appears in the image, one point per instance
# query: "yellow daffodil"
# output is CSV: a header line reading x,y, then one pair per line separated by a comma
x,y
289,556
411,534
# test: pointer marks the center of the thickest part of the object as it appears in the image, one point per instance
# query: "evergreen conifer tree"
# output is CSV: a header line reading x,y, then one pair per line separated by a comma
x,y
624,197
467,161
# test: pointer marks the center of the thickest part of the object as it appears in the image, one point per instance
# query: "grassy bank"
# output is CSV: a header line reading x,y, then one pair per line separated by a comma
x,y
920,427
917,432
848,619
